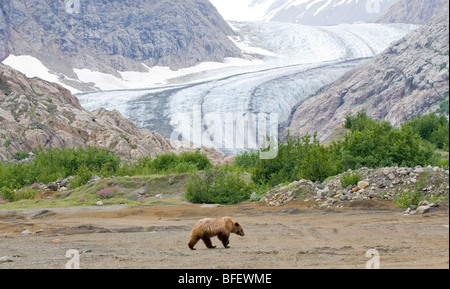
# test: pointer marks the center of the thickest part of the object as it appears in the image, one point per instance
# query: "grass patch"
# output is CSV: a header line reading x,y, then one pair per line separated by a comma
x,y
129,191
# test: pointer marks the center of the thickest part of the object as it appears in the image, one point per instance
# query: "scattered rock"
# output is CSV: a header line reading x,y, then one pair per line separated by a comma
x,y
210,206
423,209
64,183
86,250
418,170
5,259
378,184
53,186
94,179
43,214
26,232
363,185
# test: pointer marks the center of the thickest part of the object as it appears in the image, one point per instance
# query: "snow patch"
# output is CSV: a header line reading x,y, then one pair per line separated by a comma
x,y
156,76
32,67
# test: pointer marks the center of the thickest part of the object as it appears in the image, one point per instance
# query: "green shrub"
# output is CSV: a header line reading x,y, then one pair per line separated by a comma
x,y
318,163
384,146
197,159
21,155
8,194
432,128
217,187
163,163
26,194
82,176
407,198
185,167
350,179
186,162
359,122
247,160
444,163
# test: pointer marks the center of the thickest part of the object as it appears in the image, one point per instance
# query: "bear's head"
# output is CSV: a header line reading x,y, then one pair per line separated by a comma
x,y
237,228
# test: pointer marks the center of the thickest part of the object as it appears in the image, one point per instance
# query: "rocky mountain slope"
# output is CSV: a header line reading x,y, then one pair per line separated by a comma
x,y
414,11
110,36
37,113
307,12
410,78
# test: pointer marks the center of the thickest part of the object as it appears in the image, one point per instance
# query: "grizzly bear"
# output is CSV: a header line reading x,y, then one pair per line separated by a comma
x,y
208,228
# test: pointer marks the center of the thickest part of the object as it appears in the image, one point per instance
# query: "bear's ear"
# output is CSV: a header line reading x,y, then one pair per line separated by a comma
x,y
236,224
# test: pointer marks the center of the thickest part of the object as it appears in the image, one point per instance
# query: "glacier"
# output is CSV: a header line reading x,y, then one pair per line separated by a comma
x,y
234,108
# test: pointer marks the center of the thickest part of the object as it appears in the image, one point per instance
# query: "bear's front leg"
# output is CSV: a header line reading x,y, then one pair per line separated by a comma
x,y
208,243
225,240
192,241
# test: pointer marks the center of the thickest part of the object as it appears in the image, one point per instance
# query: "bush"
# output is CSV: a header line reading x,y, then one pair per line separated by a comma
x,y
171,163
247,160
185,167
444,163
8,194
382,146
407,199
359,122
217,187
286,166
197,159
164,163
82,176
21,155
318,163
52,164
350,179
432,128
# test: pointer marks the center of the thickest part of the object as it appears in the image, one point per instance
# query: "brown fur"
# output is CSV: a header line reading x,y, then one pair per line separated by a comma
x,y
207,228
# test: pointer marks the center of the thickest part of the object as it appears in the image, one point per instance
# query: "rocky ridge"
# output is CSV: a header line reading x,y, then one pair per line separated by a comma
x,y
111,36
408,79
36,113
413,11
378,184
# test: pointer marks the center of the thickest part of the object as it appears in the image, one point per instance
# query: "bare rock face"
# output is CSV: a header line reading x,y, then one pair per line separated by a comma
x,y
110,36
410,78
414,11
37,113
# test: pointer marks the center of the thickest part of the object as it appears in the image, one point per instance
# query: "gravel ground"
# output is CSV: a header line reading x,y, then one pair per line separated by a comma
x,y
292,236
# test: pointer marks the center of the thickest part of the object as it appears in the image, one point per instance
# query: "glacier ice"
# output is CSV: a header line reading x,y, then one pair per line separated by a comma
x,y
231,108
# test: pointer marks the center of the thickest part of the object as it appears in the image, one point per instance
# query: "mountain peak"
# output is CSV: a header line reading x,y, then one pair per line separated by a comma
x,y
110,36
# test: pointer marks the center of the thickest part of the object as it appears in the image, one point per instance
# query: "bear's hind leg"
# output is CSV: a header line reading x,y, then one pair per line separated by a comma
x,y
208,243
